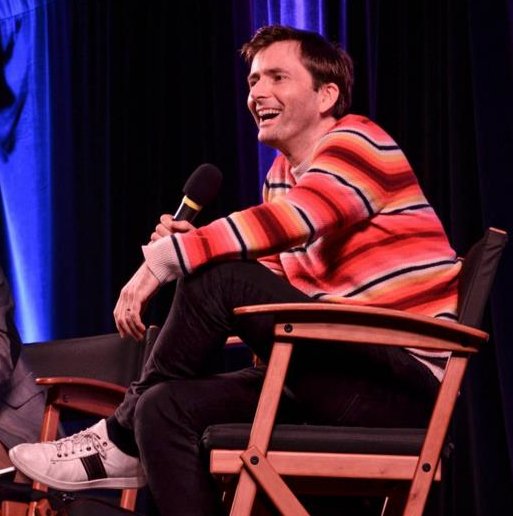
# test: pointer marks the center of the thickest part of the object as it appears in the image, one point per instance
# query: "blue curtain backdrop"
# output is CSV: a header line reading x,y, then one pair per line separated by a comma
x,y
105,110
44,249
26,181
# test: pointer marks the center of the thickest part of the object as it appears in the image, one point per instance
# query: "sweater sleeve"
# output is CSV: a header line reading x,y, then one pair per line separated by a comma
x,y
339,189
273,263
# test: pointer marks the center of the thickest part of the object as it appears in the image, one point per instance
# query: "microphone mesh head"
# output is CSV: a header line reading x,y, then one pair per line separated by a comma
x,y
203,184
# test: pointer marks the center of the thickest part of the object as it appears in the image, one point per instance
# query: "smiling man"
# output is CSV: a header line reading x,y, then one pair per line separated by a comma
x,y
343,219
291,112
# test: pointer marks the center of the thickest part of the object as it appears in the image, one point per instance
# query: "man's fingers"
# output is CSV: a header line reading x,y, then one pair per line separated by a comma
x,y
170,226
166,220
128,319
129,323
181,226
162,230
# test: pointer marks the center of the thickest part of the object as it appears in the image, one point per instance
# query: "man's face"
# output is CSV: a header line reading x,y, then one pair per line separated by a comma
x,y
281,97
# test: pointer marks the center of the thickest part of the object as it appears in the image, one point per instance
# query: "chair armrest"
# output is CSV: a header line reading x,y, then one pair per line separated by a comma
x,y
366,325
95,397
50,381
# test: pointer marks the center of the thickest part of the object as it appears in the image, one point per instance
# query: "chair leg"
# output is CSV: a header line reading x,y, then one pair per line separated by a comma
x,y
244,495
37,508
128,499
9,508
271,483
43,508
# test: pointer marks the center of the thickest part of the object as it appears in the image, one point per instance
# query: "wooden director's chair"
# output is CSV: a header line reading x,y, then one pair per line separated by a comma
x,y
88,376
283,461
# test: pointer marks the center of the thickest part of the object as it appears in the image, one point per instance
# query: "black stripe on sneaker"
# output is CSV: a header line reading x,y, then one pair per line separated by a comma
x,y
94,466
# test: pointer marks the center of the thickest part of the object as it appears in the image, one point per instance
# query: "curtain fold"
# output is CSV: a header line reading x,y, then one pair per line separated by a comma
x,y
26,161
491,29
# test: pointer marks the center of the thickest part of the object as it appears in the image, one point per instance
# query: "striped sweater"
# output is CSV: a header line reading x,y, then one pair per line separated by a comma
x,y
348,225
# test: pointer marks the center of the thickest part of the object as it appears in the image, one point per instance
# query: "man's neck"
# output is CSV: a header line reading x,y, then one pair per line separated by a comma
x,y
299,152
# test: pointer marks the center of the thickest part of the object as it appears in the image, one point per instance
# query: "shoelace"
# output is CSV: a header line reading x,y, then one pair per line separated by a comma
x,y
84,439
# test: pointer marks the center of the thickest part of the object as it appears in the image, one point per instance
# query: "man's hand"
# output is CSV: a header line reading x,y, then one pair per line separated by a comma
x,y
168,226
132,300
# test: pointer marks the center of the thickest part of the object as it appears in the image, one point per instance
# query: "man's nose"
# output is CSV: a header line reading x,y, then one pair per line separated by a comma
x,y
259,89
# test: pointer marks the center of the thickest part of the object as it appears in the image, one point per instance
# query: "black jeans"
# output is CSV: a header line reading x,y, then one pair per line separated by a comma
x,y
179,394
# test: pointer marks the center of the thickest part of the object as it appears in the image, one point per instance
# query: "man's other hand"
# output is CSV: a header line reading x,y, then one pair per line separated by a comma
x,y
132,301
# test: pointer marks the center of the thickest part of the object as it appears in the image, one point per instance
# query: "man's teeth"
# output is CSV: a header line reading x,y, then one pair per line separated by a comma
x,y
265,114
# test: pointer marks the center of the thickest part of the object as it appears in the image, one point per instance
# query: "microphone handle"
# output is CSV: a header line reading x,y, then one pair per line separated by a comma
x,y
187,210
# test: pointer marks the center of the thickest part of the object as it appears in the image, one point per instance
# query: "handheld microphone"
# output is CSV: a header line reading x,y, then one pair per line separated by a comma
x,y
199,190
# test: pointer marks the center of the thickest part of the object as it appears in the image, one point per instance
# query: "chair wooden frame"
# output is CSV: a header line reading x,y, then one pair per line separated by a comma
x,y
403,475
296,324
91,397
86,395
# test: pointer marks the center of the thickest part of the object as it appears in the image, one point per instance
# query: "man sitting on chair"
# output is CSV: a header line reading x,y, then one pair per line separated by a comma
x,y
343,219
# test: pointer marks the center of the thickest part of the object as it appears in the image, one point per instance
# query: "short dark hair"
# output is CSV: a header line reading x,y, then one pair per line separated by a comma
x,y
326,62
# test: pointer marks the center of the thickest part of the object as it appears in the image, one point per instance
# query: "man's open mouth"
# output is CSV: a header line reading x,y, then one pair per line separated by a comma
x,y
267,114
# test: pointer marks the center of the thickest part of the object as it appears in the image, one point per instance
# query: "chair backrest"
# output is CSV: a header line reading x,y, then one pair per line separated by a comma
x,y
105,357
75,371
477,275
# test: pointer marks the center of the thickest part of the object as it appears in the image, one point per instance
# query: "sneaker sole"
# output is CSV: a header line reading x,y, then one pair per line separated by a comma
x,y
99,483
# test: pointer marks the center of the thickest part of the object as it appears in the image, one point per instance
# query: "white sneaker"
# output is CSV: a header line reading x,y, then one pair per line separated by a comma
x,y
85,460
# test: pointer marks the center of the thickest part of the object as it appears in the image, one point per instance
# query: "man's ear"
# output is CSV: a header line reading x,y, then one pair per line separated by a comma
x,y
328,95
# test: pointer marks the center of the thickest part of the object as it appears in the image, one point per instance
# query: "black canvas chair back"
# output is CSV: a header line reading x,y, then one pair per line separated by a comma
x,y
397,464
477,275
105,357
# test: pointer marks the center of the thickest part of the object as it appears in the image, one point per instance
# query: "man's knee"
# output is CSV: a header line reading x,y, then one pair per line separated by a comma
x,y
152,412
